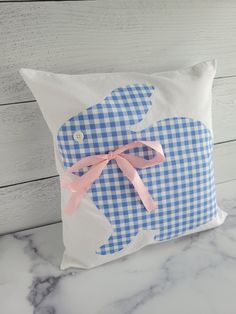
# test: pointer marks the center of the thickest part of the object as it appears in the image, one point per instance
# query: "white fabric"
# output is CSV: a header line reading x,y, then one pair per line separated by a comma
x,y
184,93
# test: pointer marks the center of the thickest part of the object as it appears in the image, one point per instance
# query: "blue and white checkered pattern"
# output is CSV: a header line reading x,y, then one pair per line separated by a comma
x,y
183,185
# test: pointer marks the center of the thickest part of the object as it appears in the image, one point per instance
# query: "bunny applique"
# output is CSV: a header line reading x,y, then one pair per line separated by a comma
x,y
182,185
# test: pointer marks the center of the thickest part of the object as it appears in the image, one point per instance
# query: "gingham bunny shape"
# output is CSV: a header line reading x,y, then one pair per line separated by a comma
x,y
183,185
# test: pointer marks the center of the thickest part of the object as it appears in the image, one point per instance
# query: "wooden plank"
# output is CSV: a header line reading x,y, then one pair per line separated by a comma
x,y
37,203
26,143
29,205
95,36
224,109
226,196
224,162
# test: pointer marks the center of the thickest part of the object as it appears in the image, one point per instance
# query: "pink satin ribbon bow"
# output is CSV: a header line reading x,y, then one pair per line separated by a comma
x,y
126,162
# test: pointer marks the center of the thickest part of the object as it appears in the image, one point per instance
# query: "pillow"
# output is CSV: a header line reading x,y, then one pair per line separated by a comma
x,y
134,156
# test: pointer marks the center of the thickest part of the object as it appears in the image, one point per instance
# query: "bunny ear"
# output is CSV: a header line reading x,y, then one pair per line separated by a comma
x,y
129,104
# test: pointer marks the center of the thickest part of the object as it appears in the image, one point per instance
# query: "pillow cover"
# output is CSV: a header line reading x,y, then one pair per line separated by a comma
x,y
134,155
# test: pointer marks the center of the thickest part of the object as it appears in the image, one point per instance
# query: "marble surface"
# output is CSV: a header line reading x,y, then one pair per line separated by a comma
x,y
195,274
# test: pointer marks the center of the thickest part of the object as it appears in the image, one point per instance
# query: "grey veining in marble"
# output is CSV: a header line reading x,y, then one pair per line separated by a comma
x,y
195,274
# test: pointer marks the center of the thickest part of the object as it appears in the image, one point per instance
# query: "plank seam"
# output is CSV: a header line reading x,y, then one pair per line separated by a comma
x,y
25,229
228,181
224,142
18,102
224,76
29,181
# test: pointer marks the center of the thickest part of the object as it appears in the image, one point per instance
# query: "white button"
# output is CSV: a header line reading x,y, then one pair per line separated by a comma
x,y
78,136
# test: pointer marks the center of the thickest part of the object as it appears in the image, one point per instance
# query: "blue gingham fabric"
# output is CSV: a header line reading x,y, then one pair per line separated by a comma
x,y
183,185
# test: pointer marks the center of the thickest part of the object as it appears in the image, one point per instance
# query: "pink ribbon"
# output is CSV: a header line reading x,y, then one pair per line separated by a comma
x,y
126,162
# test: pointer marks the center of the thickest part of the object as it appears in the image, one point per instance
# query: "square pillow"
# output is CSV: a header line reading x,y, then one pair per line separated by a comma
x,y
134,156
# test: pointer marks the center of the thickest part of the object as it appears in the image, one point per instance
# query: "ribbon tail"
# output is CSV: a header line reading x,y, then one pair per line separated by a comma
x,y
72,203
82,184
131,173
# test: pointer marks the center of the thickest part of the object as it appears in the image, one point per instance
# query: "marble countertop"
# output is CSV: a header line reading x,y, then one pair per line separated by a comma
x,y
195,274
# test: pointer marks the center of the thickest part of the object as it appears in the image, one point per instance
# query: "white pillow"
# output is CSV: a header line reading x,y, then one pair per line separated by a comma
x,y
94,114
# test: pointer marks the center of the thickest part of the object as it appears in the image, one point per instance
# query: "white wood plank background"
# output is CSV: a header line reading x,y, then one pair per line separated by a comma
x,y
29,205
86,36
93,36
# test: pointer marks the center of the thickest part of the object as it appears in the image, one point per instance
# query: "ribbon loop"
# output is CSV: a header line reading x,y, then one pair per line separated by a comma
x,y
126,162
